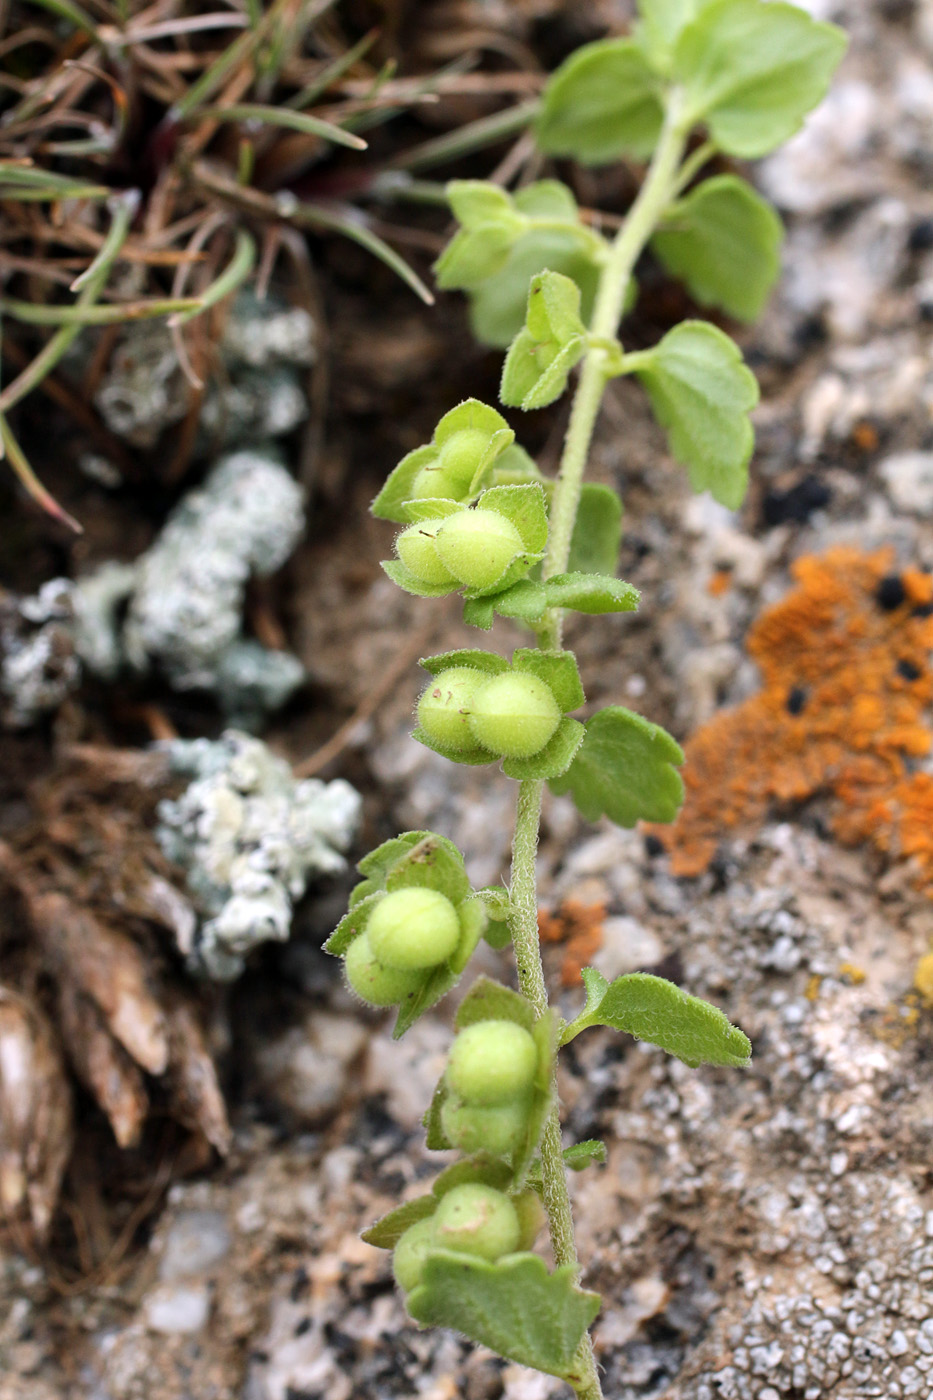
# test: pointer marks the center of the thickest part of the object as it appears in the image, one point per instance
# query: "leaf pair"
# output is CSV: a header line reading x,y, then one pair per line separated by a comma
x,y
504,240
748,69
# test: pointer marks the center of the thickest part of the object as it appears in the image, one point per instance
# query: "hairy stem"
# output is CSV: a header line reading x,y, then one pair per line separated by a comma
x,y
655,195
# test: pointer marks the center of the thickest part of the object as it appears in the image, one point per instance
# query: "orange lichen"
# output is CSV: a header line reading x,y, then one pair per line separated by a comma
x,y
719,581
845,664
579,927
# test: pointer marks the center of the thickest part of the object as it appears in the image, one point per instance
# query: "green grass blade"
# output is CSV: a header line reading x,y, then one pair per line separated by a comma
x,y
314,216
237,270
67,9
281,116
20,463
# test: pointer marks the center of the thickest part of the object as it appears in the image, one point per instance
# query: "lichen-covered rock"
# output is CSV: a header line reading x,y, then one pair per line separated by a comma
x,y
249,836
38,665
185,616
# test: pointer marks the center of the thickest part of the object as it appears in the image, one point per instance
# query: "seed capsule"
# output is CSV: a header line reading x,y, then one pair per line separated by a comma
x,y
461,455
477,546
492,1063
498,1131
411,1253
514,715
476,1219
416,547
375,983
444,707
413,928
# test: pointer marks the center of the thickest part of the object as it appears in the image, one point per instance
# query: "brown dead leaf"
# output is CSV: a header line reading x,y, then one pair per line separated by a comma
x,y
35,1113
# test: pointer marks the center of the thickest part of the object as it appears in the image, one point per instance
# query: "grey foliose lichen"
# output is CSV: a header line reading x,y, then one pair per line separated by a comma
x,y
258,392
185,615
249,836
39,667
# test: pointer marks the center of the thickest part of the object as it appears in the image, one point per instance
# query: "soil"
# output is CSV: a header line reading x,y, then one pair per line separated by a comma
x,y
765,1235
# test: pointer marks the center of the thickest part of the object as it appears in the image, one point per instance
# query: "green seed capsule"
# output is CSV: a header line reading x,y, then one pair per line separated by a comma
x,y
491,1063
514,715
372,980
461,455
413,928
498,1131
436,481
411,1253
416,547
444,707
477,546
476,1219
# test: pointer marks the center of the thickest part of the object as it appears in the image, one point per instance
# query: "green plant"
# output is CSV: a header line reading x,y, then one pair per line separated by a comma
x,y
479,517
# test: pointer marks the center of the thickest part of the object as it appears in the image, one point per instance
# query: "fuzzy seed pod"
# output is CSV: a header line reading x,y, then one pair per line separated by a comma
x,y
477,546
417,549
413,928
514,715
372,981
492,1063
411,1253
444,707
477,1219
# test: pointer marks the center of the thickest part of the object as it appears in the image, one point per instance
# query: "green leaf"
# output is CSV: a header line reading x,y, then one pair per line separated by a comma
x,y
554,308
535,373
486,661
473,924
558,669
473,255
555,758
433,863
390,502
491,1171
753,71
479,612
475,415
513,1306
724,241
432,508
591,593
351,925
653,1009
387,1232
584,1154
436,1140
603,102
488,1000
597,531
514,467
701,393
476,202
406,580
548,199
379,861
497,900
662,22
525,507
525,600
497,307
437,983
626,769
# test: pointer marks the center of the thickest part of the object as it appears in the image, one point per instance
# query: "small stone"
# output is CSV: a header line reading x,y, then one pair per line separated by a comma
x,y
196,1241
908,477
173,1308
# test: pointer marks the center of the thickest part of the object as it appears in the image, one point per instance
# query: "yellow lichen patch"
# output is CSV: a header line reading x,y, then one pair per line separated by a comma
x,y
855,976
846,681
923,978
